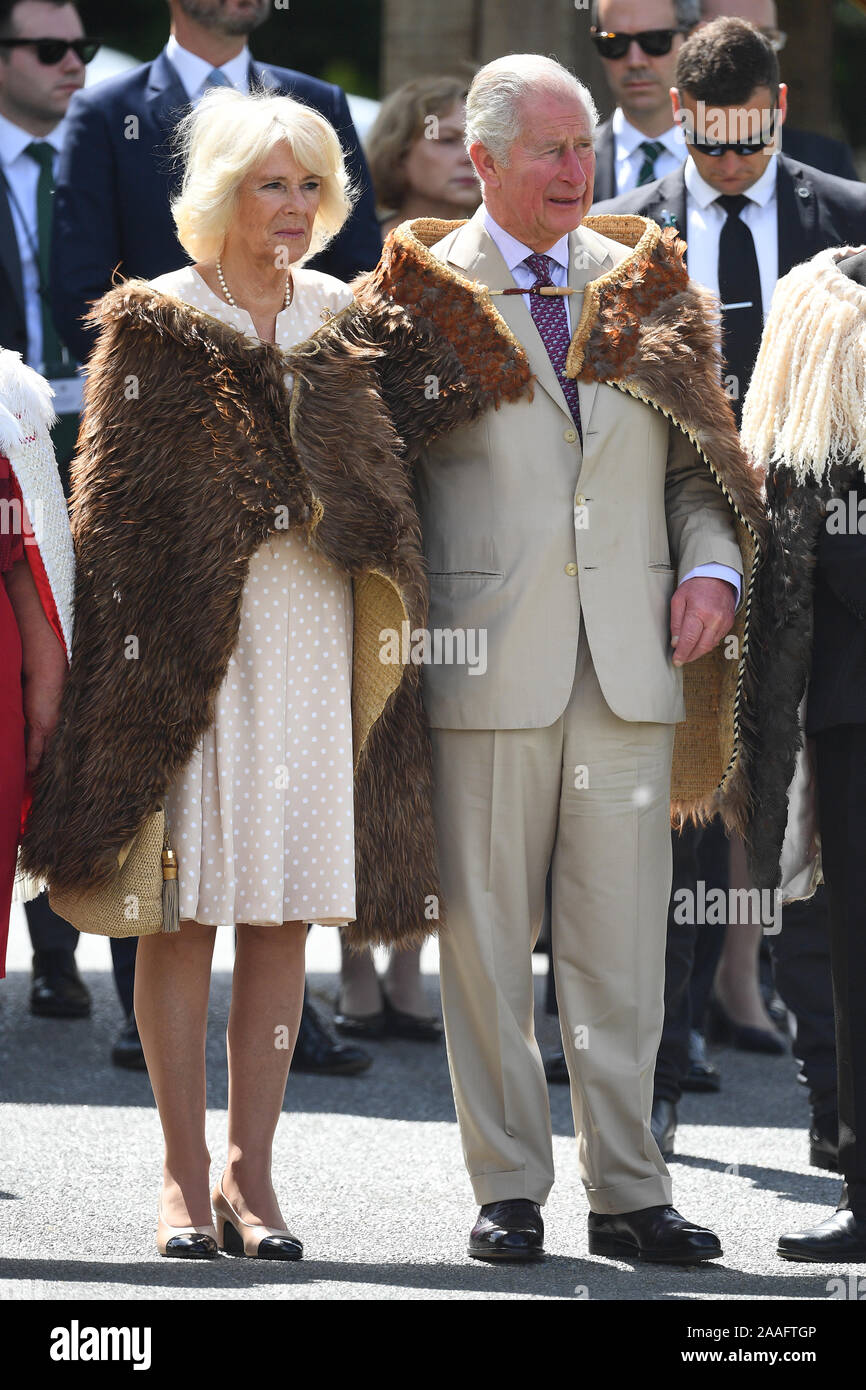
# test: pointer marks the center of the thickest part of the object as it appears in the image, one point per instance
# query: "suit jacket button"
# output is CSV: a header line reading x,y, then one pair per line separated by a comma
x,y
579,500
571,568
803,192
570,436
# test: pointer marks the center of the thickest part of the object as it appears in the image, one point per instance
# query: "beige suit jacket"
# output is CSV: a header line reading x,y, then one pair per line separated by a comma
x,y
524,531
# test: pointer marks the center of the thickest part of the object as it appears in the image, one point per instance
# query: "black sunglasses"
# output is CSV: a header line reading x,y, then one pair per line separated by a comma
x,y
53,51
654,42
715,149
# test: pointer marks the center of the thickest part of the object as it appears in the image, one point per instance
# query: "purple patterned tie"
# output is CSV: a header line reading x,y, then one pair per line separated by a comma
x,y
551,320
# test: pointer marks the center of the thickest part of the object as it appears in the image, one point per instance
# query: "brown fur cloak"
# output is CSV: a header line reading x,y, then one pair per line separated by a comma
x,y
645,329
192,451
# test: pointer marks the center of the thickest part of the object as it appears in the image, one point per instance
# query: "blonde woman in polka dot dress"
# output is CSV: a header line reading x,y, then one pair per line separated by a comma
x,y
262,816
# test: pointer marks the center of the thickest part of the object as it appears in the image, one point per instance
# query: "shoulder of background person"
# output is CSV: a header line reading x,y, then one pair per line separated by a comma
x,y
848,195
603,134
125,90
651,200
321,94
604,171
855,268
819,151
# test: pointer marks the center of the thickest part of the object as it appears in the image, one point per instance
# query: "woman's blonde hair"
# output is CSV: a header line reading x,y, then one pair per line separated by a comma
x,y
399,123
226,136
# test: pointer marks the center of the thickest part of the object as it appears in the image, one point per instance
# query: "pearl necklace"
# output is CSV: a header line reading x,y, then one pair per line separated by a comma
x,y
233,302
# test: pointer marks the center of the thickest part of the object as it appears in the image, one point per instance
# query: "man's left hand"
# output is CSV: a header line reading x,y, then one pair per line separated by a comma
x,y
702,611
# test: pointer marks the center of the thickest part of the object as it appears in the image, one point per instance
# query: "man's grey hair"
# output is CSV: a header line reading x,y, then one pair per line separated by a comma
x,y
686,12
493,105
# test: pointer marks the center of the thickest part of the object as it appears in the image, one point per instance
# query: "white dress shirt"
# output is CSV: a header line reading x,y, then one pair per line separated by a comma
x,y
514,254
705,220
628,157
194,71
21,173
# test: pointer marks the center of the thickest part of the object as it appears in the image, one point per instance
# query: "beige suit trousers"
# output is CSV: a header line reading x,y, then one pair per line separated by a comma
x,y
591,794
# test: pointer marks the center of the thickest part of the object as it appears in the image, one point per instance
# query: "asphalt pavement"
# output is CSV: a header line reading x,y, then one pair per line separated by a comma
x,y
368,1169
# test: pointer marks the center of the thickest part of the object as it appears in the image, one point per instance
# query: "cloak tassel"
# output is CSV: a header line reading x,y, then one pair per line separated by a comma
x,y
170,891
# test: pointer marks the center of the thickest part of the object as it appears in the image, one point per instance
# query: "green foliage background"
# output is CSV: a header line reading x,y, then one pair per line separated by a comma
x,y
849,69
337,40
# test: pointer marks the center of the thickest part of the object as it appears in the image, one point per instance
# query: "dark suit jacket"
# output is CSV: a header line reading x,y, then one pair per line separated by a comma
x,y
116,177
13,326
818,151
837,686
815,210
13,319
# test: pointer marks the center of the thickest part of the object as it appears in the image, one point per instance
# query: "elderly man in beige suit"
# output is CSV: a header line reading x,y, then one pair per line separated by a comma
x,y
583,535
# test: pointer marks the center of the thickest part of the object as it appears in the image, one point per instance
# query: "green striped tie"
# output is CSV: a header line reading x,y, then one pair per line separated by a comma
x,y
43,153
651,149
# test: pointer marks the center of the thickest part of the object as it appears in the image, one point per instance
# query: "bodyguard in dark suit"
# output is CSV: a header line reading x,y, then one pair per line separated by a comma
x,y
801,147
638,42
813,209
747,218
117,175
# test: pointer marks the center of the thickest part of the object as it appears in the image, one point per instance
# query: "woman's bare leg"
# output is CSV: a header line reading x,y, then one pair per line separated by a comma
x,y
360,991
737,978
172,985
267,997
403,978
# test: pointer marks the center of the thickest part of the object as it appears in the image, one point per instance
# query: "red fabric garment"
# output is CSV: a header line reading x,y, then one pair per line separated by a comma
x,y
12,775
30,550
11,537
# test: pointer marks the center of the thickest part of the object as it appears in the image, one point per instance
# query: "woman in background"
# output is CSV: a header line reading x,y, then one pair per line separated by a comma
x,y
418,162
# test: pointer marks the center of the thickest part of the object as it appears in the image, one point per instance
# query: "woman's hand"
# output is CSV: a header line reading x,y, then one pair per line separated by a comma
x,y
42,695
43,664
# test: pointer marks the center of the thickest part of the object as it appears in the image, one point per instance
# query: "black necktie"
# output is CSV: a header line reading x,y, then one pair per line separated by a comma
x,y
651,151
740,293
43,154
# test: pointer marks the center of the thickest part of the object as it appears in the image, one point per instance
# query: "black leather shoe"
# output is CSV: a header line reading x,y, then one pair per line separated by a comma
x,y
657,1235
664,1126
701,1074
413,1027
555,1068
127,1051
721,1028
317,1053
824,1141
508,1231
57,990
369,1026
841,1237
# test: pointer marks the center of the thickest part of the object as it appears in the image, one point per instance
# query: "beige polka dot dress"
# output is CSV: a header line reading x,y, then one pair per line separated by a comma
x,y
262,817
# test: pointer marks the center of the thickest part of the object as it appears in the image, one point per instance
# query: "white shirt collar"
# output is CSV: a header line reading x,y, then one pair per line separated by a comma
x,y
627,137
194,71
14,140
704,194
513,251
